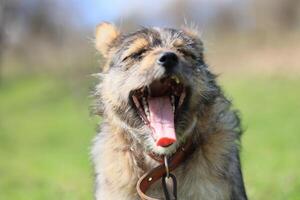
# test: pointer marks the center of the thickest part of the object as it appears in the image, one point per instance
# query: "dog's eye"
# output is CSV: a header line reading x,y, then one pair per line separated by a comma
x,y
136,55
187,53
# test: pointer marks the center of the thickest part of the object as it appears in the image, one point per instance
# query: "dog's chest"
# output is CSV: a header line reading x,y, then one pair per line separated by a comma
x,y
196,182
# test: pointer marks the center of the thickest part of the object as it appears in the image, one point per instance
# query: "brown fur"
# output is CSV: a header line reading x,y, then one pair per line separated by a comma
x,y
120,150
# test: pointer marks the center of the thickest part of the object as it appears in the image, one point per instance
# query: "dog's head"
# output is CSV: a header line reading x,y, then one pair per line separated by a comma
x,y
155,83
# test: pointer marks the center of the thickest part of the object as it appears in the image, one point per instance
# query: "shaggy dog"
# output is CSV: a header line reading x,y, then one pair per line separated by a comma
x,y
156,92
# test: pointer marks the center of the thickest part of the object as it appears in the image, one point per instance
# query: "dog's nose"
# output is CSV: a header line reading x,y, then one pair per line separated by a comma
x,y
168,60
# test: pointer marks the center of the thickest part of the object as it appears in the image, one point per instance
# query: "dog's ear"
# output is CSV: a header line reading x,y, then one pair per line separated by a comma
x,y
106,34
191,32
194,33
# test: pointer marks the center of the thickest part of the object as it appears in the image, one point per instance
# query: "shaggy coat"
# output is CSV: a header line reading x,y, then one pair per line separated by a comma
x,y
120,150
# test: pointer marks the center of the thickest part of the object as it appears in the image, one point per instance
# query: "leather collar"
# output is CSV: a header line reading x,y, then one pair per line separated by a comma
x,y
153,175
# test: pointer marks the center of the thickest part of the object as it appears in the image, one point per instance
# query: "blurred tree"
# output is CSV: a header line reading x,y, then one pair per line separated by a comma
x,y
277,16
39,35
289,13
2,34
8,10
49,34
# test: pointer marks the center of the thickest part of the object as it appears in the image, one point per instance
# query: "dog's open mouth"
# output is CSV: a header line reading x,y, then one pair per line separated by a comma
x,y
158,104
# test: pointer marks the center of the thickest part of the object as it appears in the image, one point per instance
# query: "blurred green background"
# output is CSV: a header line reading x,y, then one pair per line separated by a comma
x,y
47,57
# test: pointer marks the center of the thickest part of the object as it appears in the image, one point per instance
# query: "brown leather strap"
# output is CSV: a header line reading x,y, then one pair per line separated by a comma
x,y
149,178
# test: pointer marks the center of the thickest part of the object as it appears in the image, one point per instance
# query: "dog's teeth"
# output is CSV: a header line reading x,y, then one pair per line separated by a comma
x,y
173,102
176,79
181,98
144,121
146,109
136,101
144,101
147,112
149,91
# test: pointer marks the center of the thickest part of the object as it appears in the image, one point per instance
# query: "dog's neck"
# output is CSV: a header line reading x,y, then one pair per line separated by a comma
x,y
141,160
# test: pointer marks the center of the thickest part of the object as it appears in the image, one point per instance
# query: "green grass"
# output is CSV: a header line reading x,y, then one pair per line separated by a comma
x,y
270,109
46,131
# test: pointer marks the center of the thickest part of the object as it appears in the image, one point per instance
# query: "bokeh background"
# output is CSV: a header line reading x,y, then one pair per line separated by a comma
x,y
47,57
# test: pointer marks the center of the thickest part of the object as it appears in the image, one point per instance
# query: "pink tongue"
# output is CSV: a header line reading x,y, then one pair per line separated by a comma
x,y
162,120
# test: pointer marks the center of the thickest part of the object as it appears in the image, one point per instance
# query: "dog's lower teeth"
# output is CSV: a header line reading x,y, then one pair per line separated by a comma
x,y
148,90
167,87
147,111
144,102
145,105
173,102
144,121
181,99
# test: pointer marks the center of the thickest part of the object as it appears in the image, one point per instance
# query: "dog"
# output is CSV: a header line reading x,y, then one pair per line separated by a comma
x,y
156,93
